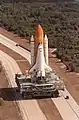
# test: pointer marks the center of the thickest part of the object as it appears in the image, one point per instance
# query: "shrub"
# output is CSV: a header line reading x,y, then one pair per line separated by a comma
x,y
1,101
0,67
72,67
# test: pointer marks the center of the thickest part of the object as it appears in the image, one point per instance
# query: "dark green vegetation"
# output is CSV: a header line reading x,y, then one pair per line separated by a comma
x,y
0,66
30,1
1,101
59,20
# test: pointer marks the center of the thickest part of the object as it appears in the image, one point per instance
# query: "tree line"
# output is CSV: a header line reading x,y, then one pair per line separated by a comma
x,y
59,20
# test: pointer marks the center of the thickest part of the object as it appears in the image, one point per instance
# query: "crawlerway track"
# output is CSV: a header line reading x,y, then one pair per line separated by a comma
x,y
71,110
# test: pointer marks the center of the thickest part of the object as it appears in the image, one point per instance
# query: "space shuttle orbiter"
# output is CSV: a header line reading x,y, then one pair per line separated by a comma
x,y
39,52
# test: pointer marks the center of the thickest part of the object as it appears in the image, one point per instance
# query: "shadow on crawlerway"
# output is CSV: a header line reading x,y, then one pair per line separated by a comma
x,y
10,94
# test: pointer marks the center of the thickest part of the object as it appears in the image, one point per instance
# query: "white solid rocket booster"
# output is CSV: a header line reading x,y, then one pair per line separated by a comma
x,y
46,48
32,50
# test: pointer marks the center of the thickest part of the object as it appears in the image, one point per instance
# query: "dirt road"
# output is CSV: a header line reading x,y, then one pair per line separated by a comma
x,y
8,110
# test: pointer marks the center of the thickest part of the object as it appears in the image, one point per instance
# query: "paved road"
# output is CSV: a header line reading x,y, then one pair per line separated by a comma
x,y
12,45
29,108
67,108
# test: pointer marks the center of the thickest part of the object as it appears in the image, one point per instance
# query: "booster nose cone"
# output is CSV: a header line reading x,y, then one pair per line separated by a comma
x,y
32,39
46,39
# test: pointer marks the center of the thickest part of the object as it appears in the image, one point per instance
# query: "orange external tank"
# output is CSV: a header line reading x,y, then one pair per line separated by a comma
x,y
39,38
